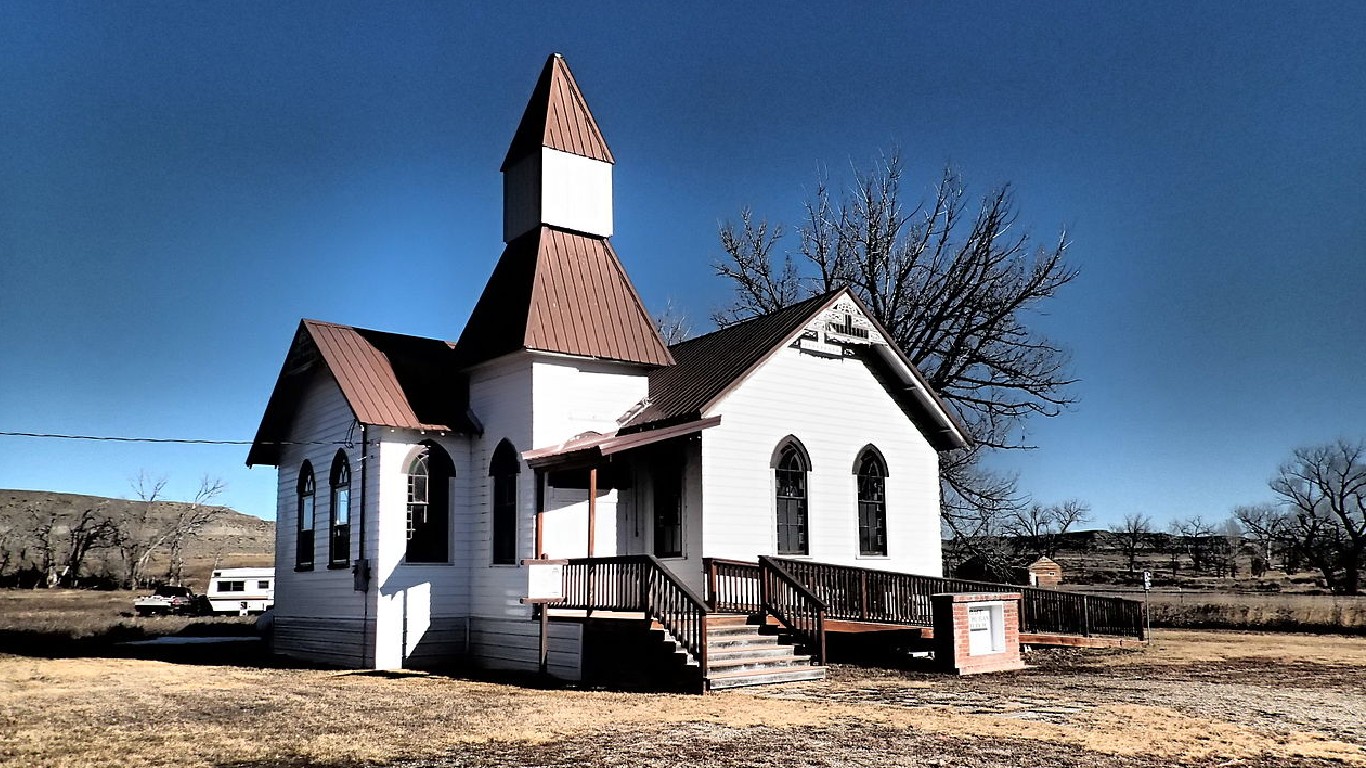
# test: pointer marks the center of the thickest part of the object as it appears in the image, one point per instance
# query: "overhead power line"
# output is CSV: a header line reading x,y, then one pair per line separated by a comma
x,y
175,440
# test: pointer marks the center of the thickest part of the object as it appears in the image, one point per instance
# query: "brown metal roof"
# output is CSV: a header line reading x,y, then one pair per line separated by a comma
x,y
710,366
559,291
388,379
557,117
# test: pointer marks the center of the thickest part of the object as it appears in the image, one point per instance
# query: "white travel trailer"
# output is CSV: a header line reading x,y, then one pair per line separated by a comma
x,y
242,590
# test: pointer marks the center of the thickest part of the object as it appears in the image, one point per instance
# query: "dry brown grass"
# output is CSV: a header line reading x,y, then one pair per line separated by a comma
x,y
81,614
88,707
1320,613
1185,647
63,713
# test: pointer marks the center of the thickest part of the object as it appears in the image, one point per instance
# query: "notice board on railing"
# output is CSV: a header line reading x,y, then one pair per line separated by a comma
x,y
544,581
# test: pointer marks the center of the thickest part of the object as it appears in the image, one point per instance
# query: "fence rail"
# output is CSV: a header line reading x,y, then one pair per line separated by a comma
x,y
865,594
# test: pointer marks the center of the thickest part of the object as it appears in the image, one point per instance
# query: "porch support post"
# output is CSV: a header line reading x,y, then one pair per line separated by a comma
x,y
540,514
592,506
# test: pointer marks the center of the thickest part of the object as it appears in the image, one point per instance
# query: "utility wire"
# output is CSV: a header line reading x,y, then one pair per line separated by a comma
x,y
177,440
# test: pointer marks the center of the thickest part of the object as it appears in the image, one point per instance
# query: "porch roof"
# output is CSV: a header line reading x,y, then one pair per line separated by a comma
x,y
595,445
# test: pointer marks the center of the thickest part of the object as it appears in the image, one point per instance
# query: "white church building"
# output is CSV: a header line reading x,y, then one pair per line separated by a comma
x,y
417,475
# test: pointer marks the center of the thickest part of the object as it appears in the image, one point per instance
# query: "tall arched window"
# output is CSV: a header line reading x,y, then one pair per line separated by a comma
x,y
339,532
303,541
790,489
504,468
429,513
872,503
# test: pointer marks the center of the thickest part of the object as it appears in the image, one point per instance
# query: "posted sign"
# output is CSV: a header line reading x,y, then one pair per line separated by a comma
x,y
545,581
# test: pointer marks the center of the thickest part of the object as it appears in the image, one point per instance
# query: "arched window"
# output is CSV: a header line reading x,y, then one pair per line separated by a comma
x,y
872,503
790,489
429,512
339,532
303,541
504,468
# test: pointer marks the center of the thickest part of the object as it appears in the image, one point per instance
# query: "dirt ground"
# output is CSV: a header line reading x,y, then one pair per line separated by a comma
x,y
1192,698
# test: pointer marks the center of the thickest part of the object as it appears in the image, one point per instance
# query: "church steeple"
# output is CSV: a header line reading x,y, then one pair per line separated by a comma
x,y
558,169
559,286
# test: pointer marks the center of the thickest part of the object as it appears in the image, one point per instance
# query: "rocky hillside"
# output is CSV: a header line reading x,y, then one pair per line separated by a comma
x,y
40,530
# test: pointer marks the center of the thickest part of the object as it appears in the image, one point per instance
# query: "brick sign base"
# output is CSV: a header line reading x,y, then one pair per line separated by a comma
x,y
954,621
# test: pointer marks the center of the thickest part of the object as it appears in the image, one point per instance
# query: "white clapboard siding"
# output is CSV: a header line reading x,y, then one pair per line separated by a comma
x,y
497,643
835,407
411,599
323,416
338,642
440,644
500,397
573,396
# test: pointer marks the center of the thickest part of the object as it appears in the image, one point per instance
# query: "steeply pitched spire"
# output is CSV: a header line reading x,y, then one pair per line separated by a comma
x,y
557,117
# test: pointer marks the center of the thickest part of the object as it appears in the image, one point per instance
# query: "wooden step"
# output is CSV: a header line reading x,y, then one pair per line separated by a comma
x,y
728,630
726,619
733,651
734,638
723,666
723,681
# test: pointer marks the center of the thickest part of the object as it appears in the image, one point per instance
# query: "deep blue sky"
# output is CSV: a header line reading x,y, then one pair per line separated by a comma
x,y
180,183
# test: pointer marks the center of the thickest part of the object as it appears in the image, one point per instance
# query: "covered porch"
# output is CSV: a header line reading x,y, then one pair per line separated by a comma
x,y
623,496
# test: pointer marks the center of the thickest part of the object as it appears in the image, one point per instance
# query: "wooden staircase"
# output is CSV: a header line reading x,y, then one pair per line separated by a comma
x,y
740,653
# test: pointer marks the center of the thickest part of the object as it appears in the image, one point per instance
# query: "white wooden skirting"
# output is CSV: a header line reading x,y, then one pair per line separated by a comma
x,y
515,645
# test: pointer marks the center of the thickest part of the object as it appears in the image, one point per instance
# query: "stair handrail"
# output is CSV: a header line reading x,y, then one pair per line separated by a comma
x,y
677,608
802,613
639,583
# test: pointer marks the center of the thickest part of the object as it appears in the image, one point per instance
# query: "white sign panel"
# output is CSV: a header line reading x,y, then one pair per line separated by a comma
x,y
545,582
979,619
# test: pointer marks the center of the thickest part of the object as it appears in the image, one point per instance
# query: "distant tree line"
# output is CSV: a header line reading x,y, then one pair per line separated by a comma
x,y
1315,521
97,545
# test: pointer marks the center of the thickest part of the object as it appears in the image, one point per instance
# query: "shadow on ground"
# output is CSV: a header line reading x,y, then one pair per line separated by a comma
x,y
239,646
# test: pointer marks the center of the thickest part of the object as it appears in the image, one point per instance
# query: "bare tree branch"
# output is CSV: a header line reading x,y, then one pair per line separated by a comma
x,y
956,290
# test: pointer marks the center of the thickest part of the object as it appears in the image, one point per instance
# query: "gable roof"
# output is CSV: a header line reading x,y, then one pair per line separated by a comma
x,y
557,117
710,366
388,379
559,291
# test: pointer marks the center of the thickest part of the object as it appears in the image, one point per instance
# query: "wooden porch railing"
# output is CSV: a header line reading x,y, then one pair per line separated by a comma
x,y
885,597
732,585
794,606
639,583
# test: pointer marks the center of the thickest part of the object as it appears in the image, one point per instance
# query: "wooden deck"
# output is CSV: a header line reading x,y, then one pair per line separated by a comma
x,y
645,615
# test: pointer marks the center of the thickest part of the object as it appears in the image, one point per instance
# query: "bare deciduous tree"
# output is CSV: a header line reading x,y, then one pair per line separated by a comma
x,y
1038,530
92,529
1269,527
1323,488
1132,535
190,521
159,524
955,288
673,323
42,535
138,532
